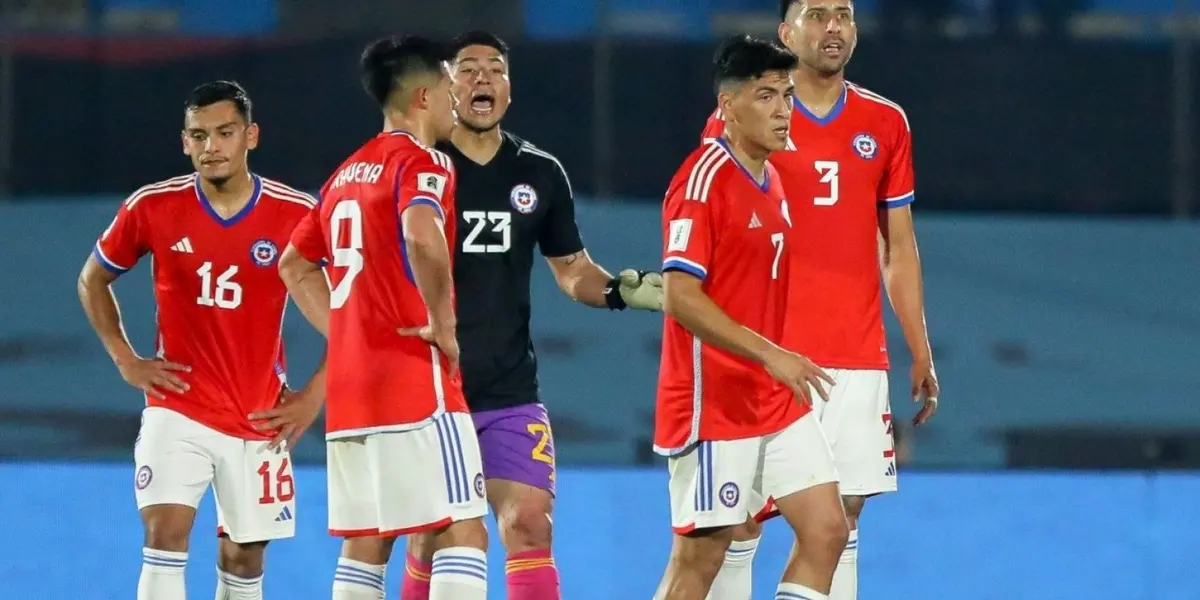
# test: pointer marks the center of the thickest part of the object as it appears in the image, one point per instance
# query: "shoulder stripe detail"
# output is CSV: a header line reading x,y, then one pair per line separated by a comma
x,y
704,171
440,159
873,97
718,115
286,193
174,184
534,150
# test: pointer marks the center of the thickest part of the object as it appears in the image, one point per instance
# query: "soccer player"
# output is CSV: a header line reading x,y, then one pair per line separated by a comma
x,y
214,237
848,174
402,452
733,410
512,197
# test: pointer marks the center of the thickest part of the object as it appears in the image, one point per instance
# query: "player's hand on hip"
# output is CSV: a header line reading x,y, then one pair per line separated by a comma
x,y
641,290
445,338
152,375
924,390
294,414
799,374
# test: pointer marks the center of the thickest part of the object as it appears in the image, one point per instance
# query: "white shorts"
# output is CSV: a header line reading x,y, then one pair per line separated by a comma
x,y
407,481
858,422
178,458
721,483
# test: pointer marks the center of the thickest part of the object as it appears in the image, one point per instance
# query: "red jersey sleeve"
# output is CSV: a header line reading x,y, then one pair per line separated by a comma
x,y
125,240
425,179
309,238
896,189
715,127
688,232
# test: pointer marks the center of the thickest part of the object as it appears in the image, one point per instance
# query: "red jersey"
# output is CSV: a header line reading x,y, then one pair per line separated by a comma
x,y
839,171
378,380
219,296
726,229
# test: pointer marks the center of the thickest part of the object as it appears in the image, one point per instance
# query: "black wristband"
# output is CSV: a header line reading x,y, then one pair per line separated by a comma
x,y
612,295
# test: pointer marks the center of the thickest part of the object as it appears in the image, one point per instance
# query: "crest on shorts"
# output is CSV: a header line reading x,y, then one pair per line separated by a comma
x,y
144,477
523,198
729,494
865,145
263,252
479,484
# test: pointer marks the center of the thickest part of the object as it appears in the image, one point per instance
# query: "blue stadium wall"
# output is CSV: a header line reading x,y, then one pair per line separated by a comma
x,y
1047,323
1037,324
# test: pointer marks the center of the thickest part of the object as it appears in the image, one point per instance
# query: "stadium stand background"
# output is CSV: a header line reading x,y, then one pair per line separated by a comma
x,y
1056,193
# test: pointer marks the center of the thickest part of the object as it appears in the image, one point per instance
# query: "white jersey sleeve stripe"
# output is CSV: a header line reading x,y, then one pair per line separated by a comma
x,y
698,178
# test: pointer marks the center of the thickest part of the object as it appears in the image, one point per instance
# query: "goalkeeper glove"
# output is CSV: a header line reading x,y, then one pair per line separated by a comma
x,y
635,289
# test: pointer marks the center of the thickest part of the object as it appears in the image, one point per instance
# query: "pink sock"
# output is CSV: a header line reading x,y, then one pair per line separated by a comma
x,y
532,576
415,585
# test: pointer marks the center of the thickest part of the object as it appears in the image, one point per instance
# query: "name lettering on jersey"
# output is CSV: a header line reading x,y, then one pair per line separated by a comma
x,y
359,172
680,233
432,183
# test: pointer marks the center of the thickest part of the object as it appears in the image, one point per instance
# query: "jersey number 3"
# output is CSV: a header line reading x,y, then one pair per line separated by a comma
x,y
347,248
828,170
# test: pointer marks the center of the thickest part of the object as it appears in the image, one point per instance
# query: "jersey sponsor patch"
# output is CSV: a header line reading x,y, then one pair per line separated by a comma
x,y
681,231
431,182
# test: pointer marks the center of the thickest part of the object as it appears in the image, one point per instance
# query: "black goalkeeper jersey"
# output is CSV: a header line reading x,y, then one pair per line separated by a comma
x,y
521,198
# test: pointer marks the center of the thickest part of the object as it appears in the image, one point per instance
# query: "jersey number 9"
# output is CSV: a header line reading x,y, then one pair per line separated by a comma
x,y
348,256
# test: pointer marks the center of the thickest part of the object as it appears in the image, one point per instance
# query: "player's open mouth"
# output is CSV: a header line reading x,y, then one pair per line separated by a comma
x,y
482,104
781,131
833,48
212,162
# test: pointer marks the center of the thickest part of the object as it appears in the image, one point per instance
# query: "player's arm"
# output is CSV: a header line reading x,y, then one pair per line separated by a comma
x,y
300,269
900,263
116,252
420,192
577,275
686,302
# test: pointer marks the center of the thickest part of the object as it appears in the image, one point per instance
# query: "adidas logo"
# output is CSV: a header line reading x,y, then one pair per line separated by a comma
x,y
754,222
285,515
891,470
184,246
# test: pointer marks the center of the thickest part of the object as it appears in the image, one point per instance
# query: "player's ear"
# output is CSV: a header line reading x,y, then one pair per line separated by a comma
x,y
183,141
252,132
725,103
785,34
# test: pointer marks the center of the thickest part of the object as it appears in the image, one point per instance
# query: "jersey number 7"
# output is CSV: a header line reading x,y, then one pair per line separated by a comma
x,y
349,256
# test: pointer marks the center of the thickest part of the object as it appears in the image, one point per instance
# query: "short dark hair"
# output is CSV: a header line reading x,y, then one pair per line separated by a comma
x,y
213,92
387,61
785,6
479,37
741,58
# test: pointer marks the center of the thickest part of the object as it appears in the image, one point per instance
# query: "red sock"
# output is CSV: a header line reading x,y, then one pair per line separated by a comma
x,y
532,576
415,585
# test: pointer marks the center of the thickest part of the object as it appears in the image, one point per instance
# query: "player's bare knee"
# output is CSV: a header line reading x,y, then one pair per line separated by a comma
x,y
420,545
242,560
525,526
854,507
168,527
824,533
470,533
372,550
